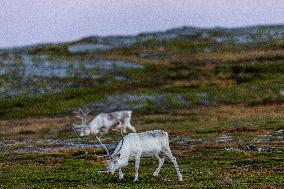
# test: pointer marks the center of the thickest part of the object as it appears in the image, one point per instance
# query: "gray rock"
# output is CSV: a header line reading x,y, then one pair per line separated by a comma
x,y
224,138
27,72
230,149
128,101
204,99
82,48
260,149
263,138
267,149
161,101
280,132
250,147
182,101
122,102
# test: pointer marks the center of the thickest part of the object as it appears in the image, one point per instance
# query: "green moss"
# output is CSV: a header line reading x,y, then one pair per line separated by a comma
x,y
54,50
207,168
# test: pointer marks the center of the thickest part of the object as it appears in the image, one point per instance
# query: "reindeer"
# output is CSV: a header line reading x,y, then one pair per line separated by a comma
x,y
102,123
135,145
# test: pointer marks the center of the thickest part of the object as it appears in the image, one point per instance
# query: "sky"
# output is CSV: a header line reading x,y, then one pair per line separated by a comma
x,y
26,22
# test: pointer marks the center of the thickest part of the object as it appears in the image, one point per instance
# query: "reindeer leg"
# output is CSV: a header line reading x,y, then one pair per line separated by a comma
x,y
161,162
168,153
136,165
129,126
124,130
121,132
104,146
120,173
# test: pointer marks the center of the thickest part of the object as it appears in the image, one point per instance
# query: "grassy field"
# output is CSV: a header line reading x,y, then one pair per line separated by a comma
x,y
248,160
221,102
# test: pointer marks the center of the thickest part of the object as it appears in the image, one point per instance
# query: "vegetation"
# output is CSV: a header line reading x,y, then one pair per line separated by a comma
x,y
204,162
199,86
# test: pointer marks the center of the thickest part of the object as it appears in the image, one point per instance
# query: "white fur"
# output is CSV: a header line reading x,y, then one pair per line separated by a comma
x,y
105,121
135,145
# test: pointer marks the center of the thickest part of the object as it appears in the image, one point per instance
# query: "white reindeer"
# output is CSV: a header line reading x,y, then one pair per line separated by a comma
x,y
102,123
135,145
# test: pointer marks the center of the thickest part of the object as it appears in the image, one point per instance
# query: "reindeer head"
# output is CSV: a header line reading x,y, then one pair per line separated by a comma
x,y
116,161
82,129
113,163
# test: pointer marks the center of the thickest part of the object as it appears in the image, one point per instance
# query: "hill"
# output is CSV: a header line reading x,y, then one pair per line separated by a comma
x,y
180,67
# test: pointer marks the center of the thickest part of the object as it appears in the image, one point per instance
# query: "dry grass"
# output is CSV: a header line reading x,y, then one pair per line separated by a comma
x,y
238,56
245,112
177,122
12,129
135,59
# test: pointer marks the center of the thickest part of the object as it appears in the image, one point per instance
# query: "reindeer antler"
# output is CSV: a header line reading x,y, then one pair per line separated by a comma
x,y
122,137
87,111
104,146
81,114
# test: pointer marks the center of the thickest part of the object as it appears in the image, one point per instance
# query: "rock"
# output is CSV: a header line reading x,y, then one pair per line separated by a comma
x,y
280,132
122,102
224,138
204,99
27,73
161,101
260,149
196,140
115,64
104,171
128,101
250,147
266,149
263,138
182,101
82,48
230,149
181,140
207,49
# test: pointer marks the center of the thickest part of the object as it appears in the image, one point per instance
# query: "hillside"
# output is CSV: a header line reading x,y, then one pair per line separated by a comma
x,y
178,68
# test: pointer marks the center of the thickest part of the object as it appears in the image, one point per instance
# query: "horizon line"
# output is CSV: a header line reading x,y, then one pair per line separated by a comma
x,y
137,34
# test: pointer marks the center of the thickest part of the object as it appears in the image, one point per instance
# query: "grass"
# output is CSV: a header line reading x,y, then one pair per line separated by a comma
x,y
201,168
227,76
203,164
231,90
